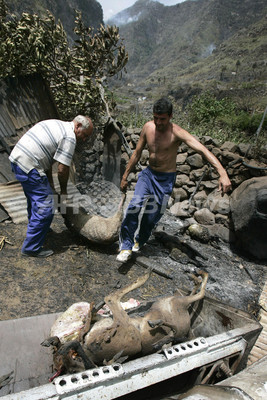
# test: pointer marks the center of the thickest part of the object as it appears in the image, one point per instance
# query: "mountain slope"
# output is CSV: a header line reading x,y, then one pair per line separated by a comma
x,y
62,9
182,34
217,45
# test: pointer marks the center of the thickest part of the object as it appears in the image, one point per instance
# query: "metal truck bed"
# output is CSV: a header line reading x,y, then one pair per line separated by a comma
x,y
218,332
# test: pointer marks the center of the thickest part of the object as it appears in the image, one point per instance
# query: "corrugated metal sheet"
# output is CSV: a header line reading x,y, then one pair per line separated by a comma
x,y
23,102
13,200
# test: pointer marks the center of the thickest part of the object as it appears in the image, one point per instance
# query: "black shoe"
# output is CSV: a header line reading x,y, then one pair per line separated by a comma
x,y
40,253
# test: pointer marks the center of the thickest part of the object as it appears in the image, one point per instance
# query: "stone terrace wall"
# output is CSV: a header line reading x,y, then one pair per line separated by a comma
x,y
195,196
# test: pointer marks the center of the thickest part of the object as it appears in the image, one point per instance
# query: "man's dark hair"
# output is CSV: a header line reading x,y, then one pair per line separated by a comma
x,y
163,106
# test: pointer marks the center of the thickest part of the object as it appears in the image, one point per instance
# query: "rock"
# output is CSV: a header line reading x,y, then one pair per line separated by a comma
x,y
249,215
222,219
131,177
218,203
230,156
179,194
199,198
195,161
208,140
229,146
182,209
210,185
199,232
135,138
243,148
182,180
180,159
184,169
216,151
144,157
196,174
222,232
204,216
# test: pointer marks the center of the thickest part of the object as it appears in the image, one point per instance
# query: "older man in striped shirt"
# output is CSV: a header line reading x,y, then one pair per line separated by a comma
x,y
31,160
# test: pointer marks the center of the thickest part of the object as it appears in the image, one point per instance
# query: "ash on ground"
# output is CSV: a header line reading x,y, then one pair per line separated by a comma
x,y
82,271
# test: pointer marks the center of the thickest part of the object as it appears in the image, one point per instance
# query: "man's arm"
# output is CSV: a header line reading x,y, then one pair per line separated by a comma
x,y
187,138
134,159
63,176
50,178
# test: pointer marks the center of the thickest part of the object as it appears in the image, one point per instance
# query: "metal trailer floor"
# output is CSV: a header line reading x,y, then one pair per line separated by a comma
x,y
231,335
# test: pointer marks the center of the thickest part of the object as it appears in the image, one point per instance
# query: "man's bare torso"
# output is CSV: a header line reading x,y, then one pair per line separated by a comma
x,y
162,147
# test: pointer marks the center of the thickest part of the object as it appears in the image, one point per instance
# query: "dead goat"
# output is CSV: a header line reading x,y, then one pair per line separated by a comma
x,y
109,338
95,228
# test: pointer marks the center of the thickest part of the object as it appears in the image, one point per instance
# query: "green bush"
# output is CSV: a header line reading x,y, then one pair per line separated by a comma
x,y
207,108
75,74
222,119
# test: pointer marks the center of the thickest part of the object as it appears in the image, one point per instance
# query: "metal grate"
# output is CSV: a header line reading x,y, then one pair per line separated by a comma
x,y
69,383
186,348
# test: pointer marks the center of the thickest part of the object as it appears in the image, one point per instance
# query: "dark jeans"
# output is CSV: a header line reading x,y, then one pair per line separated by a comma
x,y
152,192
40,207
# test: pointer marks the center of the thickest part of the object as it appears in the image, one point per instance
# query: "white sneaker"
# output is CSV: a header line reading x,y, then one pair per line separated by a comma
x,y
124,255
136,247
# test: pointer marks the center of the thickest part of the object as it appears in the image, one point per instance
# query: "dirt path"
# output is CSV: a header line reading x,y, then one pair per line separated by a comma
x,y
79,271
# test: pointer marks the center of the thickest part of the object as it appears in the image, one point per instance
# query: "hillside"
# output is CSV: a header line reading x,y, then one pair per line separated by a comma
x,y
195,45
62,9
180,50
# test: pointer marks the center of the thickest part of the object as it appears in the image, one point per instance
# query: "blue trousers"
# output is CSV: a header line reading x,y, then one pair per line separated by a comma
x,y
152,192
40,207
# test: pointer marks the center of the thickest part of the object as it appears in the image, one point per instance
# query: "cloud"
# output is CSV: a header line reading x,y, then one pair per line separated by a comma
x,y
119,5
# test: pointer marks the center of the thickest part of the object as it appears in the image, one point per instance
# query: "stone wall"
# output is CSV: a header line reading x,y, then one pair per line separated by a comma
x,y
195,196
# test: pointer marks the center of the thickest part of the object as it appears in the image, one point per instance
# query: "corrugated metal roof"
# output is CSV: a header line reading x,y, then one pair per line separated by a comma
x,y
13,200
23,102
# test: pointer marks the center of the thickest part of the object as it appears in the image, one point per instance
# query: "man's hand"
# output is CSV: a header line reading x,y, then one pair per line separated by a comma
x,y
124,184
224,184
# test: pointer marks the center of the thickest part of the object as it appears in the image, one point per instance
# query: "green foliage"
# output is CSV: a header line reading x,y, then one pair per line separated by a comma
x,y
222,119
132,120
244,122
38,44
206,108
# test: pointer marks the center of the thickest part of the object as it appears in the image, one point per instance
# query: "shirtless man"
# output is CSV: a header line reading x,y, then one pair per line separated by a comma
x,y
155,183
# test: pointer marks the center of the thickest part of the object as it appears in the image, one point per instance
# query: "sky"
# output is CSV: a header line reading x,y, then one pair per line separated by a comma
x,y
112,7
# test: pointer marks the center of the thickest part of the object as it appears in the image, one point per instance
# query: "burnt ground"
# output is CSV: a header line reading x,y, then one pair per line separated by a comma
x,y
82,271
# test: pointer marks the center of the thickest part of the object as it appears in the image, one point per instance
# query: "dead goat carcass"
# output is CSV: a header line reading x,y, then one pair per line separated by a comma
x,y
122,335
95,228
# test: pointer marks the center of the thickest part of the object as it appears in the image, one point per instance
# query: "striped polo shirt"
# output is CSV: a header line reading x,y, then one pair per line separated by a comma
x,y
46,142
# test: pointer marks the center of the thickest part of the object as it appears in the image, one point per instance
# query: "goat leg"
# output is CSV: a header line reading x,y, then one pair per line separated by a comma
x,y
113,299
87,324
155,324
198,296
157,346
159,322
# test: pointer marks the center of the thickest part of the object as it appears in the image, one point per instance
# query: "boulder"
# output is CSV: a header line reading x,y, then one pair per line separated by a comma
x,y
204,216
182,209
218,203
199,232
248,205
195,161
179,194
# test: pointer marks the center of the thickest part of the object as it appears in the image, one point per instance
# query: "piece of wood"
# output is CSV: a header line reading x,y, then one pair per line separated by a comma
x,y
147,263
175,241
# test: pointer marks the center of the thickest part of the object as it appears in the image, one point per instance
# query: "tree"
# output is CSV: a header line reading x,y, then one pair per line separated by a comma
x,y
32,44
